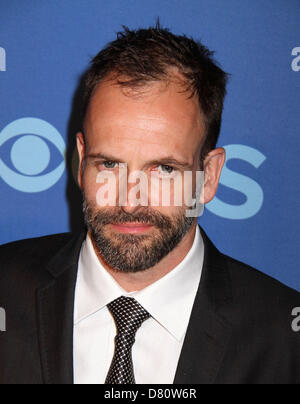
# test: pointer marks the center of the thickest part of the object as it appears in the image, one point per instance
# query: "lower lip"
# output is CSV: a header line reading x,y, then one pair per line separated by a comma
x,y
131,229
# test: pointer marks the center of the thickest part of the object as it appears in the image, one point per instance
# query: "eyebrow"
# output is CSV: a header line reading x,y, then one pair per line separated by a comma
x,y
163,161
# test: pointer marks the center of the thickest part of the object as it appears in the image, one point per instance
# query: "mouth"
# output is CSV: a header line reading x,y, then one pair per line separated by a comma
x,y
131,227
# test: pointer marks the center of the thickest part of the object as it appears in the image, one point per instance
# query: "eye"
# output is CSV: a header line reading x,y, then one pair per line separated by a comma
x,y
166,171
31,155
109,164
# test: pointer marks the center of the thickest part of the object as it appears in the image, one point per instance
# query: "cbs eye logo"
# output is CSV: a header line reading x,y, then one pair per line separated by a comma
x,y
30,155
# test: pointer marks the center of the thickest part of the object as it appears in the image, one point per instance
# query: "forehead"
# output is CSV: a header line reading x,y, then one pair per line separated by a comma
x,y
158,118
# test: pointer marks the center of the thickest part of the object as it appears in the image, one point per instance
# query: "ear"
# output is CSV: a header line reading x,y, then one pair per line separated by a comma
x,y
213,165
81,154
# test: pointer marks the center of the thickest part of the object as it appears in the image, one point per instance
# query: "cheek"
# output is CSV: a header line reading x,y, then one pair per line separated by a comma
x,y
89,183
170,211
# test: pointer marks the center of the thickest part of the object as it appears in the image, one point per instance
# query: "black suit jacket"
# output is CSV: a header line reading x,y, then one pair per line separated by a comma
x,y
239,332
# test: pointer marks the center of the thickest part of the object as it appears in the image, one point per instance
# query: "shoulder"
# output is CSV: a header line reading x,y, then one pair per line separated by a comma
x,y
29,257
34,247
255,300
262,305
249,282
246,283
263,322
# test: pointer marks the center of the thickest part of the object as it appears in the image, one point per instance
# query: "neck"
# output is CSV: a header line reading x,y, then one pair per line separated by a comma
x,y
132,282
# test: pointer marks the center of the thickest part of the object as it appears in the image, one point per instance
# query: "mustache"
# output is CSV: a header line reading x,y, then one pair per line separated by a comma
x,y
118,216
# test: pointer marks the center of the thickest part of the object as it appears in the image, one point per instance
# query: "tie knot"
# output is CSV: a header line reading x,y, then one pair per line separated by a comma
x,y
128,314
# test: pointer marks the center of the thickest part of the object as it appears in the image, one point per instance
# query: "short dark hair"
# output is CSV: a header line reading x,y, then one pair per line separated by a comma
x,y
146,55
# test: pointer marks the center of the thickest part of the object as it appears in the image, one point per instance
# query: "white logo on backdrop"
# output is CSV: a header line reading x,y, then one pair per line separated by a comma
x,y
30,155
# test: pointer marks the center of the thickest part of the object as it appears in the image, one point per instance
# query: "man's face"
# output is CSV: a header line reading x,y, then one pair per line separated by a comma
x,y
158,132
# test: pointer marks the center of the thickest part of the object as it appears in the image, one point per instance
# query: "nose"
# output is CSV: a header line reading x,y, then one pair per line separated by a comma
x,y
132,202
134,192
130,210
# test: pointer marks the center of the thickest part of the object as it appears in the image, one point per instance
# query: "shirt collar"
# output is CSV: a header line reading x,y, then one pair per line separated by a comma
x,y
169,300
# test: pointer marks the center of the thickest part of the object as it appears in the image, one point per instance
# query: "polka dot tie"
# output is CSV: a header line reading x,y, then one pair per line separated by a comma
x,y
129,315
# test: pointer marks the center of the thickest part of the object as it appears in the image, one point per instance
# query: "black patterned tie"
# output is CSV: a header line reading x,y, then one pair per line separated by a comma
x,y
129,315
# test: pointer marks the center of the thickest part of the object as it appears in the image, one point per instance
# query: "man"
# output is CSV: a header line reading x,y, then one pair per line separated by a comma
x,y
144,296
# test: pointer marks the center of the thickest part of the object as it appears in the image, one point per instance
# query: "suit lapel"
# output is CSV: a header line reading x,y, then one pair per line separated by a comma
x,y
55,308
209,331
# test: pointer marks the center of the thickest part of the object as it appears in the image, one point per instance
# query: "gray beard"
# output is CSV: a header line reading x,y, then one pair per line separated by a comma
x,y
131,253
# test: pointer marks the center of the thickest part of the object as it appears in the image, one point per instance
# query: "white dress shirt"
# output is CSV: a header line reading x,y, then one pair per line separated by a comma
x,y
159,340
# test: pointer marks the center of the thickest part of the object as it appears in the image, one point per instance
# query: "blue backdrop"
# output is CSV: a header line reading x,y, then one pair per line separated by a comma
x,y
45,46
